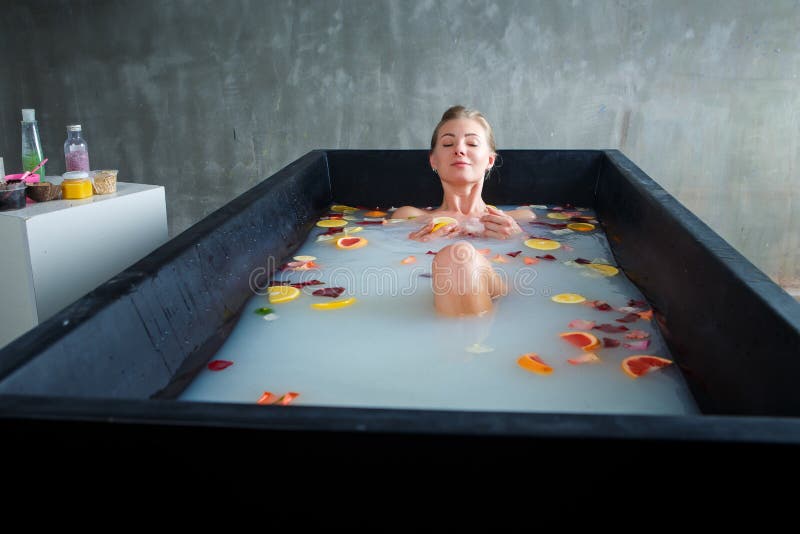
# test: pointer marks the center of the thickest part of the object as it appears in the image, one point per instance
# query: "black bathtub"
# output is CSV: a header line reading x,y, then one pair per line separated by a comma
x,y
102,374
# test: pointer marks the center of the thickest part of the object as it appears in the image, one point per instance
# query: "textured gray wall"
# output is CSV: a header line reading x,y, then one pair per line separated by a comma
x,y
208,98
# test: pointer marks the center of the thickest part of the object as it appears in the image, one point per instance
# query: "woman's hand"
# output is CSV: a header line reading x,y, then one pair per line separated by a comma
x,y
425,234
499,225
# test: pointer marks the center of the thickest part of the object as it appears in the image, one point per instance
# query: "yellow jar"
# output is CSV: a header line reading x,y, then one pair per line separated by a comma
x,y
76,184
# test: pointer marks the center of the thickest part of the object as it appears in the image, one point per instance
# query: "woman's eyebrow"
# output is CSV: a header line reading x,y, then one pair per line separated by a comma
x,y
453,135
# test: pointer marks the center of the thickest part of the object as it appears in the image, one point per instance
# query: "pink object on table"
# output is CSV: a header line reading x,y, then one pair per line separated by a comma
x,y
31,178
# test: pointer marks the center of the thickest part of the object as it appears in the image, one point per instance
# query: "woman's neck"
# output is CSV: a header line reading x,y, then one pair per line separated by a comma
x,y
465,201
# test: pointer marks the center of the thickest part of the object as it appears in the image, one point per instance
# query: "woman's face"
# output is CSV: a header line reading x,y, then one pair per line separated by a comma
x,y
462,153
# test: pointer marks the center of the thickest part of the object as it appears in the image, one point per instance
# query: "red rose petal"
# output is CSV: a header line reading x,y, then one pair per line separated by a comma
x,y
610,328
329,292
610,343
580,324
629,318
514,254
219,365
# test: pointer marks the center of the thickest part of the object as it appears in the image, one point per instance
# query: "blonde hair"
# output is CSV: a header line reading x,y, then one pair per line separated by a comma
x,y
460,112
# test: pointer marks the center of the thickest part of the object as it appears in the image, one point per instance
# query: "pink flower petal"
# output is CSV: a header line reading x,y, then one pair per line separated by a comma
x,y
581,324
637,334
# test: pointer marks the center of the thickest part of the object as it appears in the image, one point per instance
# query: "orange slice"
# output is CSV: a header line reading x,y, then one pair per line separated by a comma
x,y
542,244
558,215
375,213
602,268
408,260
335,305
568,298
580,227
281,294
584,340
347,243
532,362
641,364
331,223
439,222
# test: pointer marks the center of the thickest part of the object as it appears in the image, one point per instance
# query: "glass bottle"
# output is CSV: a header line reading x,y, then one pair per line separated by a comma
x,y
76,151
32,153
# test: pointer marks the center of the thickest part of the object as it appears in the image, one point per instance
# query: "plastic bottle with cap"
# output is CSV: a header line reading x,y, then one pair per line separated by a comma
x,y
32,153
76,151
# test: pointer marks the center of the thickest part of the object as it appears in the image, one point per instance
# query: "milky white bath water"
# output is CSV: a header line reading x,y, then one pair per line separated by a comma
x,y
389,349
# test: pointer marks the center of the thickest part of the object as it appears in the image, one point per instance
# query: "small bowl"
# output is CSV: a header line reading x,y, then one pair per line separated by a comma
x,y
12,195
104,182
30,179
43,191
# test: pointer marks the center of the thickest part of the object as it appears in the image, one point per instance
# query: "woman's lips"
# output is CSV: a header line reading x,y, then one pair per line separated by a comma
x,y
460,164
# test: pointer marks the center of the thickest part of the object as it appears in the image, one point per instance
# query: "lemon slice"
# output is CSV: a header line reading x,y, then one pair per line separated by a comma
x,y
335,305
558,215
542,244
568,298
353,230
581,227
304,258
439,222
341,208
331,223
605,270
281,294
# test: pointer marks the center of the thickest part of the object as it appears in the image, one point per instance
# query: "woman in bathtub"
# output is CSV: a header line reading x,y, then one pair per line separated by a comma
x,y
462,155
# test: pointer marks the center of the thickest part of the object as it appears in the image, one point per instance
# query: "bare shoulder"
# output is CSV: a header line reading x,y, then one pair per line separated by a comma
x,y
405,212
522,214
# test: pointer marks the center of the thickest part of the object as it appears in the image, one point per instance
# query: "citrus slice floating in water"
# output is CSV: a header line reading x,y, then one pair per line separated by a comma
x,y
605,270
568,298
584,340
439,222
342,208
580,227
375,213
347,243
532,362
558,215
640,364
335,305
281,294
331,223
542,244
304,258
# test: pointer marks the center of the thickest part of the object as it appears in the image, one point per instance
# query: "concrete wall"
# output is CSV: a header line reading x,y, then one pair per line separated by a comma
x,y
208,98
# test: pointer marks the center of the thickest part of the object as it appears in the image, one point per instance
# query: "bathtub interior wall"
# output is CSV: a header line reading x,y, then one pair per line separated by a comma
x,y
732,330
147,331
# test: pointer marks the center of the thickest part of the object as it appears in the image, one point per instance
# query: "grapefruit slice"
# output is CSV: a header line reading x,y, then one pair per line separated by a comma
x,y
347,243
605,270
331,223
281,294
542,244
641,364
580,227
532,362
439,222
568,298
335,305
584,340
